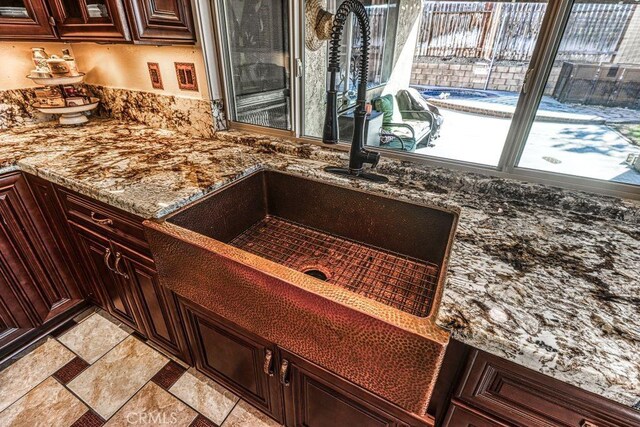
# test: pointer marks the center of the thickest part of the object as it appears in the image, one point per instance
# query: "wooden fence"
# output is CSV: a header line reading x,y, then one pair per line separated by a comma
x,y
508,31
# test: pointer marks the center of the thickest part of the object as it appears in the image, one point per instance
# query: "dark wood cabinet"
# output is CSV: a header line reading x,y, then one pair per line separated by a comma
x,y
15,319
46,197
157,305
36,284
154,21
125,21
122,272
97,20
100,260
239,360
25,20
495,388
288,388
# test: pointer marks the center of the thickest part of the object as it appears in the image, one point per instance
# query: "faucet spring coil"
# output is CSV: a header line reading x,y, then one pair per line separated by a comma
x,y
336,34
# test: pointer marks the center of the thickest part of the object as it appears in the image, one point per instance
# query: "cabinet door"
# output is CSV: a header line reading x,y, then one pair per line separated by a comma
x,y
99,259
66,257
315,397
25,19
30,257
161,21
157,305
94,20
243,362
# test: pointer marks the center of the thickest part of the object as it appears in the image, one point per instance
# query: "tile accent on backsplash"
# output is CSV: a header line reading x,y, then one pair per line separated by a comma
x,y
16,109
195,117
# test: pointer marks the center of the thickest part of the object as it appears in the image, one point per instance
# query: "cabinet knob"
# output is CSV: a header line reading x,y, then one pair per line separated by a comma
x,y
101,221
268,363
284,373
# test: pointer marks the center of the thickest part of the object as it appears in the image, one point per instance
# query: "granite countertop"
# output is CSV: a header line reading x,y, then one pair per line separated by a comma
x,y
544,277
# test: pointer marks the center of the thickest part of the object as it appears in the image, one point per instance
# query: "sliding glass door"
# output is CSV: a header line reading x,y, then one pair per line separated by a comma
x,y
256,38
588,121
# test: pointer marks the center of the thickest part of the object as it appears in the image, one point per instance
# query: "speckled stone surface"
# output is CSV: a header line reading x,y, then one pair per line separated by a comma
x,y
16,109
541,276
187,115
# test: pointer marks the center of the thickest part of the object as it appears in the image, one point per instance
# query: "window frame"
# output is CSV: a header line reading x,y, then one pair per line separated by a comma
x,y
553,27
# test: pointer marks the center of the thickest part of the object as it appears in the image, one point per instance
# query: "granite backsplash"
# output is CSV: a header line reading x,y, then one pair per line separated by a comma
x,y
193,117
16,109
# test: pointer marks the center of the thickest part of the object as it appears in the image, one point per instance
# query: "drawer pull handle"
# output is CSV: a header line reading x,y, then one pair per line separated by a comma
x,y
101,221
587,423
107,256
268,363
116,266
284,373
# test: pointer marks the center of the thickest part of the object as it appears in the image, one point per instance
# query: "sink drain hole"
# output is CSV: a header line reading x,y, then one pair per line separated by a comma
x,y
316,273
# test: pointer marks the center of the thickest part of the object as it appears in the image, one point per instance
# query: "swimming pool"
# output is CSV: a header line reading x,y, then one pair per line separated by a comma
x,y
455,92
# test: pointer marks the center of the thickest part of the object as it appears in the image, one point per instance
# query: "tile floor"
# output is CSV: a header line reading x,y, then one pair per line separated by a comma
x,y
97,373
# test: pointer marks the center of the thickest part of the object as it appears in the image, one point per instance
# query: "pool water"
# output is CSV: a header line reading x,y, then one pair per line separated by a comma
x,y
455,92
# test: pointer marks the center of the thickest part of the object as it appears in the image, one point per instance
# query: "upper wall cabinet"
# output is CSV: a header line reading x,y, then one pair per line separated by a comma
x,y
25,19
100,20
124,21
156,20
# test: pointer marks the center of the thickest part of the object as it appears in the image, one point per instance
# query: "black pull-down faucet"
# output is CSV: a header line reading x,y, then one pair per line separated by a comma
x,y
358,155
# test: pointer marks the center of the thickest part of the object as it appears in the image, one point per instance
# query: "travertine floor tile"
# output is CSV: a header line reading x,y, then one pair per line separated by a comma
x,y
46,405
210,399
117,376
31,370
93,337
153,406
246,415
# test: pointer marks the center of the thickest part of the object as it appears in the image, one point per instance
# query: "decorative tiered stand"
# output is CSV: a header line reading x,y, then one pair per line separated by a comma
x,y
69,115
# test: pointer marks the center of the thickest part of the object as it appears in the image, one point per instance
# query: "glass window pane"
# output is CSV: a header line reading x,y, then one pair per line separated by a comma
x,y
13,9
454,74
97,9
588,122
259,61
383,15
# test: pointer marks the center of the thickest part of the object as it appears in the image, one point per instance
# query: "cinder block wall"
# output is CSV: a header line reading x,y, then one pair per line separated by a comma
x,y
505,75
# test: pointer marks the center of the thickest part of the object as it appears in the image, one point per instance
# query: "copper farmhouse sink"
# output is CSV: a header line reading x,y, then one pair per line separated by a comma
x,y
347,279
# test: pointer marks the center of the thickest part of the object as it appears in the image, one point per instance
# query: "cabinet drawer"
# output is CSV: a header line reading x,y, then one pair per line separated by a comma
x,y
523,397
103,219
